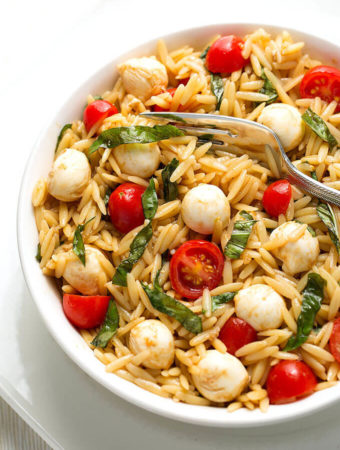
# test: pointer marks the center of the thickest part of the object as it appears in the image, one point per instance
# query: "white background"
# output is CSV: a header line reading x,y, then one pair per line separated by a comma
x,y
46,49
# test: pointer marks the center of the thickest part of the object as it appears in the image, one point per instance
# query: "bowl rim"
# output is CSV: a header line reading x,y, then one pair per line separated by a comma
x,y
135,395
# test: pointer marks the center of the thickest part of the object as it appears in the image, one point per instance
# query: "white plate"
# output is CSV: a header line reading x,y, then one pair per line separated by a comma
x,y
43,289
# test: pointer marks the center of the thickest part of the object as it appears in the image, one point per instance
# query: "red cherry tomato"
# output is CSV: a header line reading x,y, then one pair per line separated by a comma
x,y
196,265
125,207
158,108
289,380
225,55
85,311
276,197
236,333
334,340
323,82
97,110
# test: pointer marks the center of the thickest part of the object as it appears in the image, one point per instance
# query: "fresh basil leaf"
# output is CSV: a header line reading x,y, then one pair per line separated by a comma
x,y
173,308
313,175
78,243
107,196
240,235
217,88
97,97
203,55
134,135
318,125
268,89
218,300
150,201
137,248
61,134
38,255
326,214
309,228
311,303
170,190
109,327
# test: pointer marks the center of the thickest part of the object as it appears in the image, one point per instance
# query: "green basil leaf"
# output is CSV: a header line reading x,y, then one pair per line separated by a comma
x,y
326,214
61,134
268,89
134,135
309,228
318,125
107,196
109,326
97,97
38,255
203,55
240,235
137,248
218,300
313,175
150,201
78,243
311,303
170,190
217,88
173,308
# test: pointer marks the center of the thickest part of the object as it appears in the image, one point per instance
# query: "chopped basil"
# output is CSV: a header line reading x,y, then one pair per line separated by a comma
x,y
61,134
97,97
141,240
170,190
311,303
313,175
326,214
218,300
38,255
78,243
173,308
134,135
107,196
318,125
240,235
109,327
268,89
217,88
203,55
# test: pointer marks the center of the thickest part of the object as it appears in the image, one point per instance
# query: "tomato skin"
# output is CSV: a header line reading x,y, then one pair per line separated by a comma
x,y
225,55
196,265
158,108
85,311
97,110
125,207
288,380
323,82
236,333
334,340
276,197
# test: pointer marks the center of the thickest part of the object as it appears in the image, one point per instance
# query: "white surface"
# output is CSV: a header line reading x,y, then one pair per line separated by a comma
x,y
42,67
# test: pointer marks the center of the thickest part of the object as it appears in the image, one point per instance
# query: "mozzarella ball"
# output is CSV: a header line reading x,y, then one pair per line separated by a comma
x,y
154,336
286,122
138,159
91,278
69,176
298,256
220,377
260,306
143,77
202,205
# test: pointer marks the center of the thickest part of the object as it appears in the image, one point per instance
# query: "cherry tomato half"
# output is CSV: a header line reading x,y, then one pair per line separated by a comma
x,y
97,110
85,311
323,82
276,197
125,207
334,340
196,265
289,380
236,333
225,55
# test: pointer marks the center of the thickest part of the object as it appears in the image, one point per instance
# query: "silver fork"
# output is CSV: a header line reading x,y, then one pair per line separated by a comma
x,y
227,131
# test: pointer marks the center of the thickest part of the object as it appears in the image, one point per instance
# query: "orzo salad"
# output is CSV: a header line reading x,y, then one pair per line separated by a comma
x,y
192,272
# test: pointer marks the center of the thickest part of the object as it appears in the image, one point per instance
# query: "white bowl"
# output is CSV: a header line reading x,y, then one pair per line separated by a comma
x,y
43,289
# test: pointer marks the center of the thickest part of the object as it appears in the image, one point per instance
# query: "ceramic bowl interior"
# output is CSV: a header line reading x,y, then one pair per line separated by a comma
x,y
43,288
